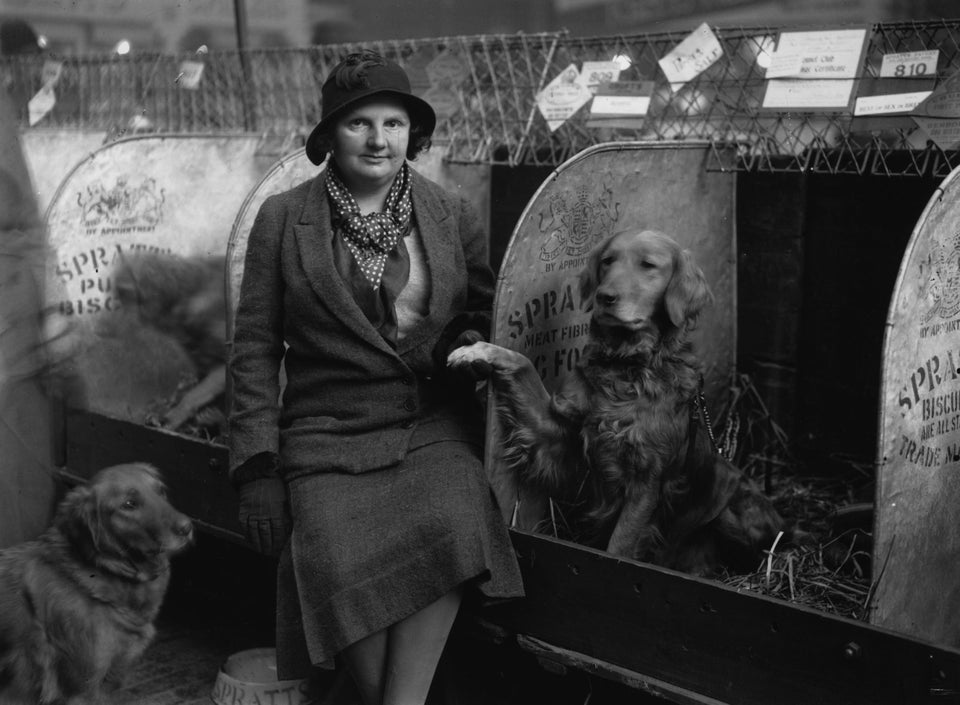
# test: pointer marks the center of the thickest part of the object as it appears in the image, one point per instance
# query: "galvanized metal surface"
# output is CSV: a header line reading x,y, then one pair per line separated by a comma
x,y
52,154
917,542
172,194
607,188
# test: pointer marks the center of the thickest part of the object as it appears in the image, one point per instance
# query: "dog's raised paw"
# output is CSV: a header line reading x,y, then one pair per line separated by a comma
x,y
475,358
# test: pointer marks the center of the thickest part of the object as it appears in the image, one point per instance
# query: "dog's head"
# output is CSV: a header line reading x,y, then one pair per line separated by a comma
x,y
183,297
641,283
121,521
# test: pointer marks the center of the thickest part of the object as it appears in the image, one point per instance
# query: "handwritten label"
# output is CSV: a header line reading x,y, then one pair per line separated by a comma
x,y
894,103
911,64
562,97
821,54
593,74
791,93
691,57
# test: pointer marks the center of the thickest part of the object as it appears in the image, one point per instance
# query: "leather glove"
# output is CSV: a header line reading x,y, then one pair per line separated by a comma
x,y
467,337
463,329
264,510
477,370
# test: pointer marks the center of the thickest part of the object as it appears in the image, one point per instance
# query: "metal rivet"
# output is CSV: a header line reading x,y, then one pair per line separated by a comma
x,y
852,651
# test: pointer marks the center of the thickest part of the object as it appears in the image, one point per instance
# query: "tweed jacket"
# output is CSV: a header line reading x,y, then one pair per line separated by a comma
x,y
351,402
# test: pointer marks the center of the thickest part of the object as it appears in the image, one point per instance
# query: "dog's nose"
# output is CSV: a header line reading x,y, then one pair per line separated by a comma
x,y
606,299
183,527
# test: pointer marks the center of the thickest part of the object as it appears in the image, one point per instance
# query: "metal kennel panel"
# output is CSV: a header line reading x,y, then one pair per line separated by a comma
x,y
916,572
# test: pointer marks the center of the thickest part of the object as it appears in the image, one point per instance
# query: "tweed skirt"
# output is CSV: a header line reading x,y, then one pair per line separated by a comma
x,y
370,549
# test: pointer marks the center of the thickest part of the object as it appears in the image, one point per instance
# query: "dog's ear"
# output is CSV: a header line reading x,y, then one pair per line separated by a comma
x,y
78,517
687,293
590,274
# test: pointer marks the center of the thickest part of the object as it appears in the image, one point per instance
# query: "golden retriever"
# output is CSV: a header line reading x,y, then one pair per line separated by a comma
x,y
623,441
77,605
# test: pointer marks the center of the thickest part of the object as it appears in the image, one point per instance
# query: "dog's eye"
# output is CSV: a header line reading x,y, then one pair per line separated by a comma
x,y
131,502
647,264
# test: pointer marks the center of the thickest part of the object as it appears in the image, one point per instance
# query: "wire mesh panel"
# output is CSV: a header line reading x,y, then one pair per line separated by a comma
x,y
485,90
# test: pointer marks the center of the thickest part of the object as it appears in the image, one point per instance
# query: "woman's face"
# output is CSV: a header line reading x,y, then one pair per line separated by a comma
x,y
370,141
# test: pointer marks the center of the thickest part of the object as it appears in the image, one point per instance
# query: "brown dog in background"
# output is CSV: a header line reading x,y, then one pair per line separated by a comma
x,y
621,442
77,605
159,359
183,298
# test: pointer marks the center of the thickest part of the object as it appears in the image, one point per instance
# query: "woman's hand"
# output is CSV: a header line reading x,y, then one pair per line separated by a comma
x,y
265,514
264,509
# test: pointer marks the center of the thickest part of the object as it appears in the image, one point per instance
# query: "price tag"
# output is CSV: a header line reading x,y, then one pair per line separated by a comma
x,y
911,64
190,74
562,97
595,73
691,57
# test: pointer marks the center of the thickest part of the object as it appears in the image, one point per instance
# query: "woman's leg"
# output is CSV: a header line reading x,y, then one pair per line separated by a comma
x,y
414,648
366,661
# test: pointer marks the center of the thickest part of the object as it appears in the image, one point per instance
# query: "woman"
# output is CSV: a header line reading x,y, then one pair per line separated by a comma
x,y
361,281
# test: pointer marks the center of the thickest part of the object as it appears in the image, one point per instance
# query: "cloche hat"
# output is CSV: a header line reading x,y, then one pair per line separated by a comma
x,y
359,76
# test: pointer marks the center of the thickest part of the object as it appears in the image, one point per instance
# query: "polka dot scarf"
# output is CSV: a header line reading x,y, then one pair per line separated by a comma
x,y
372,237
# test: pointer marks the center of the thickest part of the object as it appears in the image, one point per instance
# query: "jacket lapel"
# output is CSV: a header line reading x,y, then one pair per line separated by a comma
x,y
314,236
433,222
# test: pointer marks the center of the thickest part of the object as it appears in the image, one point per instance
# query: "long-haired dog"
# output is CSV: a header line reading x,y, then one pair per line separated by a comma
x,y
183,298
77,605
161,357
623,442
